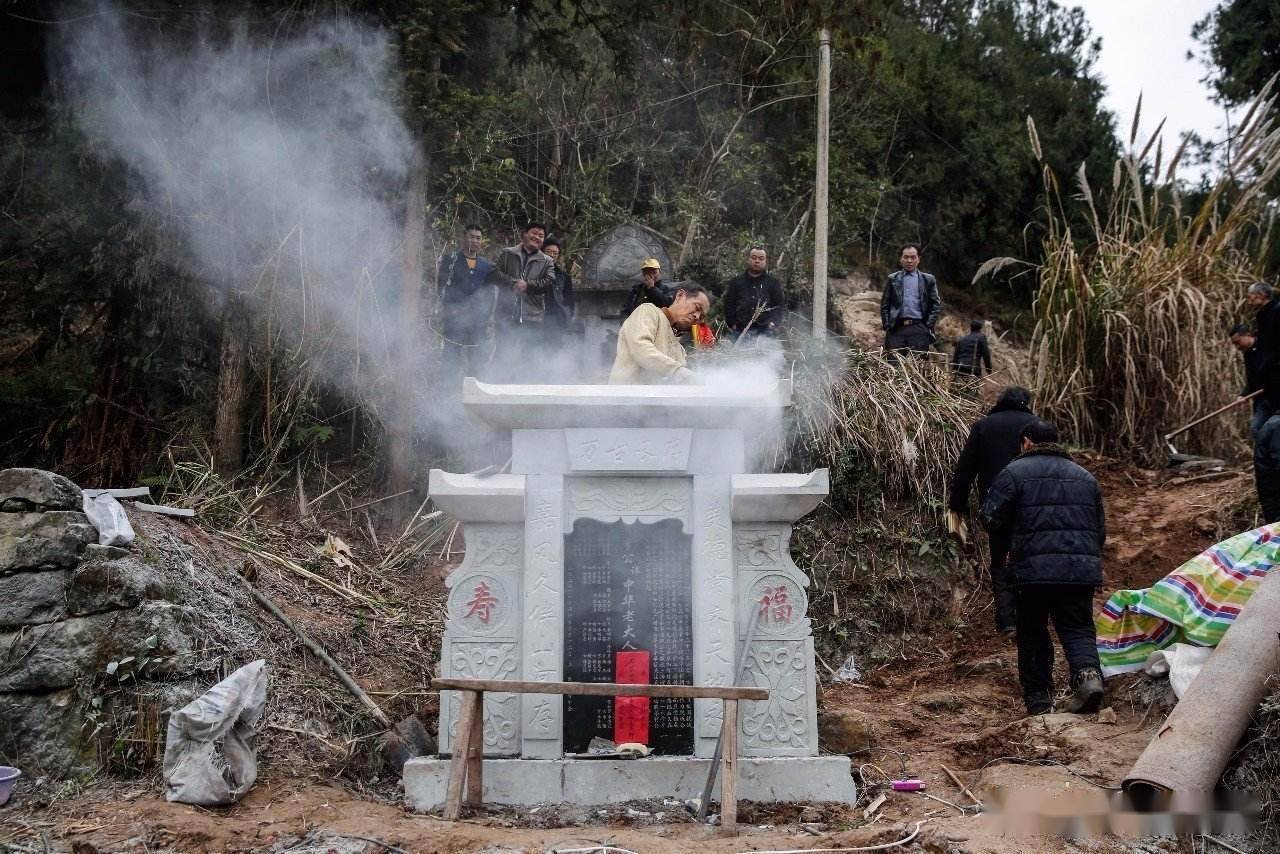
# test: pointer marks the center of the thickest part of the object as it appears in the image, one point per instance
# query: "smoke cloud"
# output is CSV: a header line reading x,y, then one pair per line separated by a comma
x,y
280,163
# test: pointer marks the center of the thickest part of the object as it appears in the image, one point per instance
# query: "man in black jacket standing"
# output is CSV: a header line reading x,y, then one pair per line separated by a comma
x,y
650,289
467,298
1051,509
994,440
753,301
909,306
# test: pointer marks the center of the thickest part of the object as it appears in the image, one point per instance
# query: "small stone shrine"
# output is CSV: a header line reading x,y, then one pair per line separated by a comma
x,y
630,543
609,272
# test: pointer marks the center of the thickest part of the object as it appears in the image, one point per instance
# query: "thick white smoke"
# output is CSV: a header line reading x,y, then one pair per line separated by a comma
x,y
282,165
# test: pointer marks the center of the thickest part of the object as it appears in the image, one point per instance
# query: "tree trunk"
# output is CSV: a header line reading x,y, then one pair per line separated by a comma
x,y
233,364
407,355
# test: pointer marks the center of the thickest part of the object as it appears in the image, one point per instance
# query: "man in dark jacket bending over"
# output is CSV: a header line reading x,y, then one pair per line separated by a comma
x,y
993,441
1051,509
972,352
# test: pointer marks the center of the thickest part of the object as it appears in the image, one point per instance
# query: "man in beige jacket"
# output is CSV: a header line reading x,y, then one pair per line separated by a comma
x,y
649,353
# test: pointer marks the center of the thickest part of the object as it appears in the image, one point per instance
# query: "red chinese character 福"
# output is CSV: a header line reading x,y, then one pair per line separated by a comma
x,y
482,604
776,604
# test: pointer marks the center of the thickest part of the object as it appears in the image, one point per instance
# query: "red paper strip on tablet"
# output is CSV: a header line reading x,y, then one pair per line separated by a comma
x,y
631,714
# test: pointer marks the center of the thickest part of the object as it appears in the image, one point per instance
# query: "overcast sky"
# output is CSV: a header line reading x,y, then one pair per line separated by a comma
x,y
1144,49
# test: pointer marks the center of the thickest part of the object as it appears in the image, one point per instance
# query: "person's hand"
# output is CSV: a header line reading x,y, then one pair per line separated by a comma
x,y
957,527
522,285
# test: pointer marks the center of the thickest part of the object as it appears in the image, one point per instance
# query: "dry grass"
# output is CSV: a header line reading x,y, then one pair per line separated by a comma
x,y
896,428
1131,318
1256,768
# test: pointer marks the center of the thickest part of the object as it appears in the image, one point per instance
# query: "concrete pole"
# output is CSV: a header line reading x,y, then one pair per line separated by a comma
x,y
820,191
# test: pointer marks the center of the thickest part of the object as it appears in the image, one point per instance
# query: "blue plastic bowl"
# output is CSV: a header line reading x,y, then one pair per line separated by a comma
x,y
8,779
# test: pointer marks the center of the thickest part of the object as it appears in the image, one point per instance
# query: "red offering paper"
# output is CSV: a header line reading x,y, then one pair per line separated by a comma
x,y
631,714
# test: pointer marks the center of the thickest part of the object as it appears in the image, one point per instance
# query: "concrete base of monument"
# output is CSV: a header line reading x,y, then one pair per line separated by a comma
x,y
525,782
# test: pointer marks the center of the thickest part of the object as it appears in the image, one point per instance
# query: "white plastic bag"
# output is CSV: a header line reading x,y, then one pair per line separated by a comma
x,y
106,514
210,756
1181,662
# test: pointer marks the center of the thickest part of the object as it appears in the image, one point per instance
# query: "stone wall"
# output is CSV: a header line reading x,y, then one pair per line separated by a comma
x,y
69,608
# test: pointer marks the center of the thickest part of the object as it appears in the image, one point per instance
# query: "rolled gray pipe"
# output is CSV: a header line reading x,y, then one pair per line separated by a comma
x,y
1190,751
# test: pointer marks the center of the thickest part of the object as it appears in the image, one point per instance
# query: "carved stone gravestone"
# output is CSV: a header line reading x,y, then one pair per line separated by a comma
x,y
630,543
610,270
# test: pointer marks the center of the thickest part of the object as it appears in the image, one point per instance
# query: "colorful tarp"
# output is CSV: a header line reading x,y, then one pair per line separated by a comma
x,y
1195,604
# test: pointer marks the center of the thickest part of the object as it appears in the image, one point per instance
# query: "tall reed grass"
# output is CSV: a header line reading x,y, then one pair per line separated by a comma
x,y
1132,317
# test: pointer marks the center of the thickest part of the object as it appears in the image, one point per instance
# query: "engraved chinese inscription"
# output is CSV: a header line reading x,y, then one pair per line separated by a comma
x,y
628,588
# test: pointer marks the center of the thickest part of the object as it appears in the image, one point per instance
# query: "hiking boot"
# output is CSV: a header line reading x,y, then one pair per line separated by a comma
x,y
1087,695
1039,704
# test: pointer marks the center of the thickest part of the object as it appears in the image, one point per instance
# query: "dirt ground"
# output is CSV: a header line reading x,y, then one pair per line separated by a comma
x,y
954,705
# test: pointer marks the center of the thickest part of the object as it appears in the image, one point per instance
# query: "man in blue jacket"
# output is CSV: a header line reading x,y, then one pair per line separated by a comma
x,y
1051,511
909,306
467,297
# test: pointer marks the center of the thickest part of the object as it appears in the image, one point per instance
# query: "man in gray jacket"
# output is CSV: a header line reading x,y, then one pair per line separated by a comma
x,y
910,306
524,276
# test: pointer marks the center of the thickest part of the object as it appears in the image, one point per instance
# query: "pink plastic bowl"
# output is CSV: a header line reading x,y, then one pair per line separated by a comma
x,y
8,779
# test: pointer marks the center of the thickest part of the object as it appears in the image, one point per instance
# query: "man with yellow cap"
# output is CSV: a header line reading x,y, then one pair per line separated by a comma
x,y
650,289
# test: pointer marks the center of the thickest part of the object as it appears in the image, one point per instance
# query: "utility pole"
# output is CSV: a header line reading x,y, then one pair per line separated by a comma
x,y
820,191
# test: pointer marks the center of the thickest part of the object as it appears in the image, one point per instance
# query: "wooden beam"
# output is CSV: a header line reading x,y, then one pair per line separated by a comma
x,y
475,754
458,765
729,767
600,689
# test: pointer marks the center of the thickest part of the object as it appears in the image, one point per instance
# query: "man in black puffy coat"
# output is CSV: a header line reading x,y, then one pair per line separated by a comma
x,y
993,441
1051,510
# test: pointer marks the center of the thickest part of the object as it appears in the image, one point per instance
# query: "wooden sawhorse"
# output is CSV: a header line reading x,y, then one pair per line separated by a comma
x,y
468,741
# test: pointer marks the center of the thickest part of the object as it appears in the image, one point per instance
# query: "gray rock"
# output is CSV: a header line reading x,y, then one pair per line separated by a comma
x,y
104,585
43,540
55,655
44,734
93,551
26,489
27,598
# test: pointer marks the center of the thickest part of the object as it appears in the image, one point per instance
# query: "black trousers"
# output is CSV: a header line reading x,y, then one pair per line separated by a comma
x,y
1001,589
915,337
1070,606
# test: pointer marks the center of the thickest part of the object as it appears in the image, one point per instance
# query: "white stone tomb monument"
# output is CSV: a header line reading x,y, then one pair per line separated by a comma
x,y
630,522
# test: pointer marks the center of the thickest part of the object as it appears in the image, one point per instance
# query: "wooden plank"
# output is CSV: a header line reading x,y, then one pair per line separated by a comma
x,y
729,768
458,765
600,689
475,755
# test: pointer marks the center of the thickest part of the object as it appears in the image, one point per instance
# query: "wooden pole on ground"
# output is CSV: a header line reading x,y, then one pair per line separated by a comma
x,y
820,190
729,772
461,750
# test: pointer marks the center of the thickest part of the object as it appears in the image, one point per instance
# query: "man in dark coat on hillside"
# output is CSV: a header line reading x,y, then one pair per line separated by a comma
x,y
1266,468
993,441
909,306
650,289
1051,509
467,297
972,352
1243,339
1262,298
753,301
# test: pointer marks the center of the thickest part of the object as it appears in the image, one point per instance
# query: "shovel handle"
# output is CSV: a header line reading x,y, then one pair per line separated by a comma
x,y
1218,411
